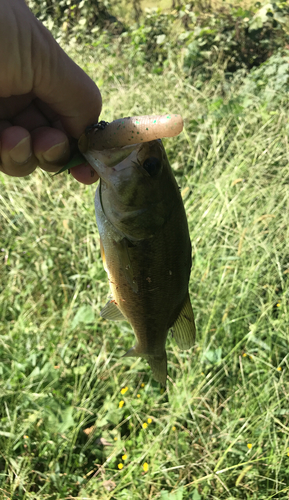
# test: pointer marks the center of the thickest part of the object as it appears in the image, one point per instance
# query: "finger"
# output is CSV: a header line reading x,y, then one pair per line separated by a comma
x,y
53,118
65,87
51,148
30,118
17,158
11,106
46,110
4,124
84,173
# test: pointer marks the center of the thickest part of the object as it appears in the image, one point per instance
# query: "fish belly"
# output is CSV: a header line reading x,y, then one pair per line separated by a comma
x,y
148,279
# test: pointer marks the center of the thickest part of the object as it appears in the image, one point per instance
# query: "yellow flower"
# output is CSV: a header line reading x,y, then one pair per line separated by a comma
x,y
124,457
244,354
145,466
121,403
278,305
26,437
120,466
138,395
143,384
279,369
149,420
249,446
144,425
124,390
174,428
115,438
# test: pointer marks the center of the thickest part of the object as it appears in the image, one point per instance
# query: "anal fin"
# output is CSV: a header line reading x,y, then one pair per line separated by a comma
x,y
184,330
132,352
111,311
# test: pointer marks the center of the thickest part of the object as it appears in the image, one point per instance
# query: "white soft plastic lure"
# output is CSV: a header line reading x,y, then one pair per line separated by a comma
x,y
131,130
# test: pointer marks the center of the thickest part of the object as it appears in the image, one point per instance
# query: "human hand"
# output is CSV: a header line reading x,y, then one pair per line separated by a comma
x,y
45,98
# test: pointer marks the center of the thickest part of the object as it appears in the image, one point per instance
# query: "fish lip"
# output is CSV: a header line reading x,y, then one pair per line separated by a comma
x,y
110,163
110,160
117,159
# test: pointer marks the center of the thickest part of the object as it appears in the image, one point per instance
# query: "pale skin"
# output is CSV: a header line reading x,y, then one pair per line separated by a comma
x,y
45,98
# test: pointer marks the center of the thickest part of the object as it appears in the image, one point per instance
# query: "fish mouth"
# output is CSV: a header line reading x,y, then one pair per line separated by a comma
x,y
109,162
114,158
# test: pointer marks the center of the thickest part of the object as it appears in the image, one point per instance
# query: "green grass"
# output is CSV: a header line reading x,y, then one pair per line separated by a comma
x,y
63,431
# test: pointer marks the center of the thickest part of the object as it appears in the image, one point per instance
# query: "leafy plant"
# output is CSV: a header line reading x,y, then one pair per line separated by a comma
x,y
270,80
202,38
236,38
150,42
77,18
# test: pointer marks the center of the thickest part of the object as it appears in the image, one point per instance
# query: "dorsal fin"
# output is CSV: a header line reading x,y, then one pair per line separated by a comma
x,y
184,330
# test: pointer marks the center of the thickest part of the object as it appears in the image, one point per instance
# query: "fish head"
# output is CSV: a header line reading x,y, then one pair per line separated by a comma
x,y
137,187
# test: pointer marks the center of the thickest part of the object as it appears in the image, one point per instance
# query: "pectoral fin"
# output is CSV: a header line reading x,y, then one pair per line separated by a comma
x,y
184,329
111,311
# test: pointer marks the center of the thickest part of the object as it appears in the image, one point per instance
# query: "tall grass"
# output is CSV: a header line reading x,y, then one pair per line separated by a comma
x,y
79,422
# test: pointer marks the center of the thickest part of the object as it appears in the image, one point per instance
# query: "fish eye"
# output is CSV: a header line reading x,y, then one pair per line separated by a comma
x,y
152,165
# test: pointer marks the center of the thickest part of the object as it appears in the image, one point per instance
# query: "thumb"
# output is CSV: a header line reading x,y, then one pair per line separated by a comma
x,y
65,87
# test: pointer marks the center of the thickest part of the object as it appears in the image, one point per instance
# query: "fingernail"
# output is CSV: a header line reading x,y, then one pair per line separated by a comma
x,y
55,153
22,152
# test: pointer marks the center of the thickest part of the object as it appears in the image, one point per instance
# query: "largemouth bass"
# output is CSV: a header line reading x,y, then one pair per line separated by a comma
x,y
145,247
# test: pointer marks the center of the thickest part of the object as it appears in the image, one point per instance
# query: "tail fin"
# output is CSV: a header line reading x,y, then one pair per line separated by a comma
x,y
159,367
158,364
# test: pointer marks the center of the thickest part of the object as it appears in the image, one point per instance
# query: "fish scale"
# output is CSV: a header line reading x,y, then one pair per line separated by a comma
x,y
161,288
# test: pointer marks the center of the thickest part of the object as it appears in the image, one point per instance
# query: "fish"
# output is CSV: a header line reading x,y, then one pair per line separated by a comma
x,y
145,247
